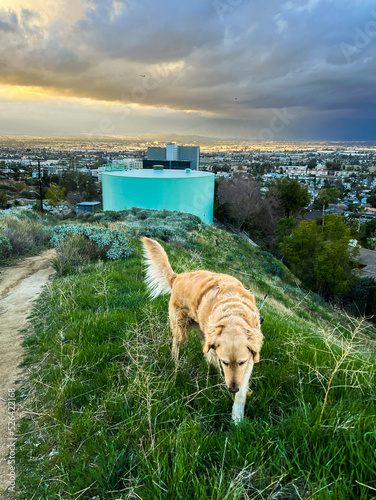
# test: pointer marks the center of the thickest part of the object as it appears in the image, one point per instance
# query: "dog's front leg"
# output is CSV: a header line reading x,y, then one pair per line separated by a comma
x,y
179,328
241,395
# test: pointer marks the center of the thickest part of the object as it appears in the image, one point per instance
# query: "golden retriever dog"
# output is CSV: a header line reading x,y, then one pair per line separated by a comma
x,y
224,310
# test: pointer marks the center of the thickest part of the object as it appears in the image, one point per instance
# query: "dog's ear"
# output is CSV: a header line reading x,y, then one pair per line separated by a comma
x,y
211,337
214,292
207,347
255,337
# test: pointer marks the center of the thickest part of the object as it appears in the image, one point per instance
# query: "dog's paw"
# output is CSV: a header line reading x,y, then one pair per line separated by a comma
x,y
237,413
237,418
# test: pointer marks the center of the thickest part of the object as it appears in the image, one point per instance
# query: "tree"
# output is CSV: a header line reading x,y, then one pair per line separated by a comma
x,y
368,237
241,202
77,181
241,198
372,200
74,197
370,228
361,300
333,165
326,196
312,163
3,200
286,225
293,195
320,256
300,250
55,195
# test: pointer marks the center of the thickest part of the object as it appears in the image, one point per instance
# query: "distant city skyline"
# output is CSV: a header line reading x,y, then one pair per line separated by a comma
x,y
259,71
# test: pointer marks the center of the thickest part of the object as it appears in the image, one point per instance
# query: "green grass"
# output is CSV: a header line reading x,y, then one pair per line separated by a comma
x,y
108,416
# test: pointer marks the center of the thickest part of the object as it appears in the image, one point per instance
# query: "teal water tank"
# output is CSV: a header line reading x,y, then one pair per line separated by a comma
x,y
188,191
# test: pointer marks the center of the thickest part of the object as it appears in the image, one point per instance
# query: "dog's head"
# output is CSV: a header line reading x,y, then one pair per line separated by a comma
x,y
237,346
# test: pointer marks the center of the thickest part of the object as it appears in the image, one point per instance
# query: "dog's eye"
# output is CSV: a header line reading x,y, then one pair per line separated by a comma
x,y
241,363
226,364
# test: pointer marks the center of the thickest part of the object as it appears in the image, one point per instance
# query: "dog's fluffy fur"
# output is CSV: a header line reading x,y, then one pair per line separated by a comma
x,y
223,309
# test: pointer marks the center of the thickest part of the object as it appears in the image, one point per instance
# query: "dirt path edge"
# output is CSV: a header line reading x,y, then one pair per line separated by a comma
x,y
20,285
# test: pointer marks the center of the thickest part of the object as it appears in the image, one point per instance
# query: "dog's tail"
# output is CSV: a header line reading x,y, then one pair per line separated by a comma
x,y
159,274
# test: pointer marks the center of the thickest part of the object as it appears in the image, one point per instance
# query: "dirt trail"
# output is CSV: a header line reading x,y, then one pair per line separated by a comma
x,y
19,287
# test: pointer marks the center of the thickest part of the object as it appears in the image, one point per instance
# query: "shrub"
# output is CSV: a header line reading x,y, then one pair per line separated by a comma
x,y
20,236
42,235
73,253
165,225
178,241
274,268
361,299
36,207
20,186
3,200
25,230
5,246
115,242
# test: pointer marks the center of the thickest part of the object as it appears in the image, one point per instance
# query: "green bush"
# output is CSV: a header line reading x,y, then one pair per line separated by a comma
x,y
361,300
3,200
5,246
74,252
162,224
114,242
20,186
274,268
20,236
26,232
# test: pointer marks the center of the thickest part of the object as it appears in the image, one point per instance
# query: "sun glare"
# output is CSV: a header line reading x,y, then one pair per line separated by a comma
x,y
19,92
70,10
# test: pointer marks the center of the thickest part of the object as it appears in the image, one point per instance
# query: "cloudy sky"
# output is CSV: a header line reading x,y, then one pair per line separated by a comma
x,y
255,69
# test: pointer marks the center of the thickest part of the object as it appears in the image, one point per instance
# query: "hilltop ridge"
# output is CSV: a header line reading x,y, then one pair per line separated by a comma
x,y
109,414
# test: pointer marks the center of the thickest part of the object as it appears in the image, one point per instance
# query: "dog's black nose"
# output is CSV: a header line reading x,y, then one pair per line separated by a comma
x,y
233,389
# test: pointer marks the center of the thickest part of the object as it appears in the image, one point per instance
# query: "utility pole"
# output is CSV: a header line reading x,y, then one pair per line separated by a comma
x,y
40,187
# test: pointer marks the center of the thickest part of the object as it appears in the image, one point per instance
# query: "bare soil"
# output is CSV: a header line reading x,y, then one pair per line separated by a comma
x,y
20,285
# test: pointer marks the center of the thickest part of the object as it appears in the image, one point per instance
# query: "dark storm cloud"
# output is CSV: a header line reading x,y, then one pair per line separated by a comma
x,y
149,31
237,60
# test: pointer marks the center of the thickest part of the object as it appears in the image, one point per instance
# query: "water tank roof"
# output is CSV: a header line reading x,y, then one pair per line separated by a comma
x,y
159,174
88,203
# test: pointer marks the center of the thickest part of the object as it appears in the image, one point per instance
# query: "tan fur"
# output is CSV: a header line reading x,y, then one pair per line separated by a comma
x,y
224,310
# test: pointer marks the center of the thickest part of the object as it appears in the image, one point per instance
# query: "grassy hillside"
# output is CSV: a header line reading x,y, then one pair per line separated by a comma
x,y
107,415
